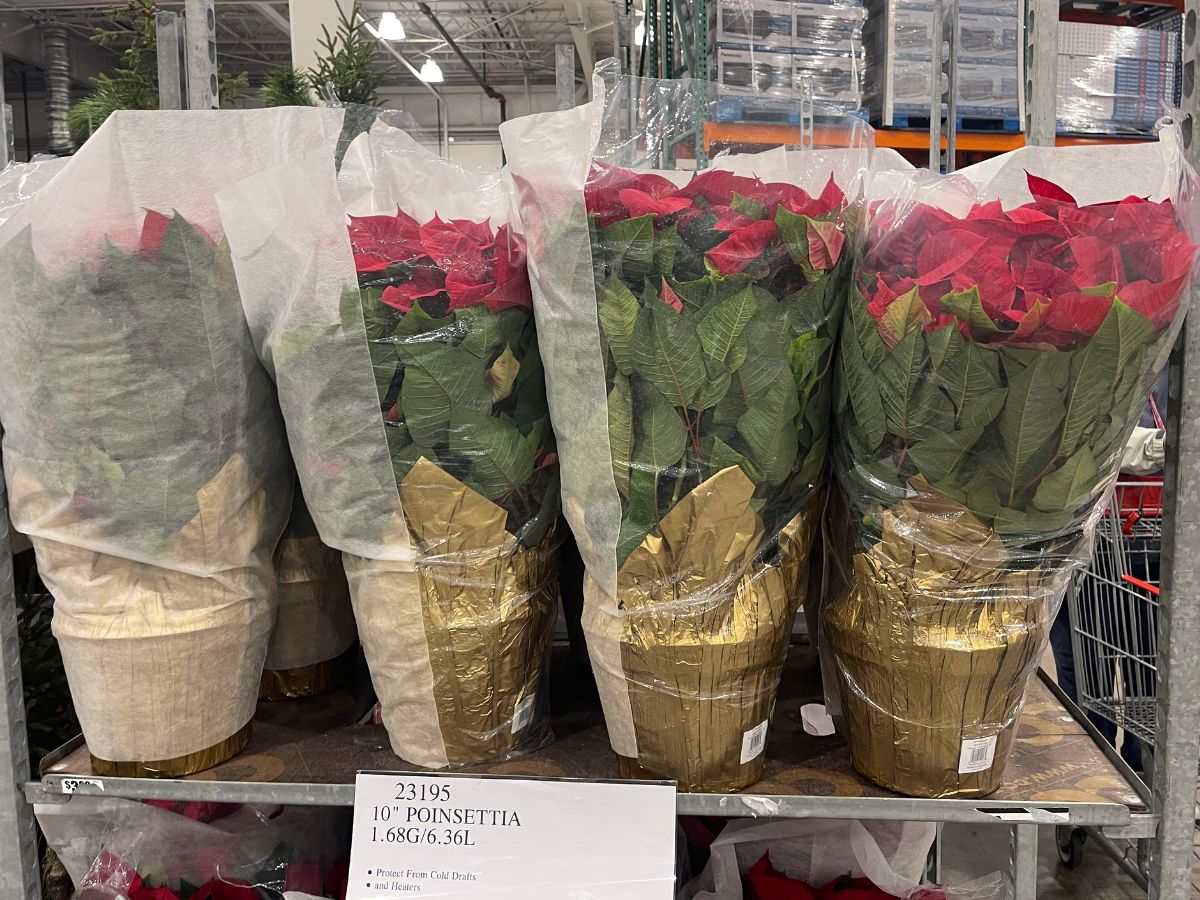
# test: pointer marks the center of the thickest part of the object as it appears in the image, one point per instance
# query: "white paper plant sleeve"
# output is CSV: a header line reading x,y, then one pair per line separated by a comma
x,y
392,306
143,448
688,320
1000,338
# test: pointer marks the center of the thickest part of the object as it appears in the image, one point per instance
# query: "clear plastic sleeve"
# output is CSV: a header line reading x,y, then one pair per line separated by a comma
x,y
114,848
818,853
143,446
391,303
899,42
312,645
1002,333
687,322
1116,80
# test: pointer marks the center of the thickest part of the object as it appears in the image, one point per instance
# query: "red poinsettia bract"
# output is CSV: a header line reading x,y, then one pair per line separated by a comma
x,y
764,882
743,211
1046,272
463,261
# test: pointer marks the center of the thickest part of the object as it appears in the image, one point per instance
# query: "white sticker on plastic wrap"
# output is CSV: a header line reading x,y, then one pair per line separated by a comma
x,y
71,785
523,714
754,742
977,755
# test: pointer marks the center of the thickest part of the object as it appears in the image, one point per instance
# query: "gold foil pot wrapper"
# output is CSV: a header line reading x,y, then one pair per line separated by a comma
x,y
934,638
180,766
705,617
307,681
164,664
312,644
458,643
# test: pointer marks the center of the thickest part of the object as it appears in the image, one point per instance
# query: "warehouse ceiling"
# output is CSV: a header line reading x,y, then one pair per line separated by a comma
x,y
506,40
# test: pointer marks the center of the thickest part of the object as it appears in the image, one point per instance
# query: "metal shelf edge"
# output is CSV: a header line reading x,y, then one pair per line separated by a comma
x,y
1109,815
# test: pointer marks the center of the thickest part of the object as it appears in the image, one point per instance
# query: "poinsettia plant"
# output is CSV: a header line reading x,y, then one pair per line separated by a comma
x,y
718,309
449,320
1001,356
114,876
764,882
136,310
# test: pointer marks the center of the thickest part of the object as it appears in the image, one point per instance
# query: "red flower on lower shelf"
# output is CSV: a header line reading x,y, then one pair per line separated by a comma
x,y
765,882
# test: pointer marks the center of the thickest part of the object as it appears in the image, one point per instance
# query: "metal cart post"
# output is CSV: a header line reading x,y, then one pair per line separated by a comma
x,y
20,874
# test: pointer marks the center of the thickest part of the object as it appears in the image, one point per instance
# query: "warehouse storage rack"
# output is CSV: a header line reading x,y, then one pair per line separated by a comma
x,y
1061,771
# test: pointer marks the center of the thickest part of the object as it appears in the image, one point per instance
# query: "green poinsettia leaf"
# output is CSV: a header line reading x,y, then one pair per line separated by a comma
x,y
732,406
666,246
1032,414
618,314
861,388
905,314
793,228
807,356
767,364
811,307
620,431
752,209
419,322
967,307
1070,485
641,512
768,428
813,467
407,456
629,246
534,531
969,374
946,455
500,458
719,455
914,407
1009,521
485,332
867,330
660,435
438,380
666,351
1093,375
503,374
722,323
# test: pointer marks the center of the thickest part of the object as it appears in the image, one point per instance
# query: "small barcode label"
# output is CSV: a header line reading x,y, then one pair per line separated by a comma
x,y
523,714
977,754
753,742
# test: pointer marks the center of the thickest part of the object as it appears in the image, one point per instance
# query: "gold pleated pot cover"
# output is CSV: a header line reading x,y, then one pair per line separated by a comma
x,y
309,650
458,643
697,640
164,665
934,642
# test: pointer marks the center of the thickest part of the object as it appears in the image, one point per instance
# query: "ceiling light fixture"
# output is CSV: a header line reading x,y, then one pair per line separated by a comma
x,y
390,27
431,72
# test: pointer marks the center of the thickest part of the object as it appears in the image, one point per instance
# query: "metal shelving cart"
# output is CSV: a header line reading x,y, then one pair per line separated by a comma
x,y
1061,772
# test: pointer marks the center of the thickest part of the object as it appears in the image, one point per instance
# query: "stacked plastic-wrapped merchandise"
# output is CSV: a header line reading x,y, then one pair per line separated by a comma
x,y
767,47
1115,80
899,38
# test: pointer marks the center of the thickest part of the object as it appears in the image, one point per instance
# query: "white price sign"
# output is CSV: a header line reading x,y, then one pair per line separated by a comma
x,y
438,835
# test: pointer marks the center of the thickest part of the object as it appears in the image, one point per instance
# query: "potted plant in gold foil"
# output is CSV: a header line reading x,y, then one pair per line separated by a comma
x,y
992,363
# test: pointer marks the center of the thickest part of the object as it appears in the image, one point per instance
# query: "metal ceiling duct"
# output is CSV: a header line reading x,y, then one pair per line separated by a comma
x,y
55,39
